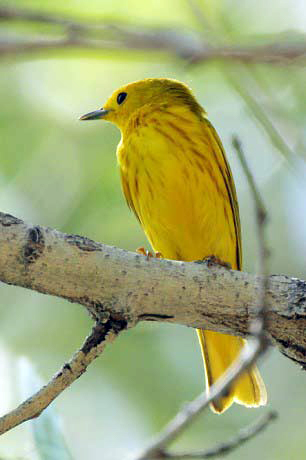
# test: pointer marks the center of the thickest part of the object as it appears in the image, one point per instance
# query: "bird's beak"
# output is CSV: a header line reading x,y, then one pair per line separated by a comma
x,y
96,115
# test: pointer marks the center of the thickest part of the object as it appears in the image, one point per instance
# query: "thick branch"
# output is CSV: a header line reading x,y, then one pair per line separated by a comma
x,y
112,281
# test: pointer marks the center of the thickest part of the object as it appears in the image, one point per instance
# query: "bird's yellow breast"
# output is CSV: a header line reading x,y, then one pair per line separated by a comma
x,y
172,172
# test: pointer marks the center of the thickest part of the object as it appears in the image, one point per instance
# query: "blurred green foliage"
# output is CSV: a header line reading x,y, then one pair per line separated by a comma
x,y
58,172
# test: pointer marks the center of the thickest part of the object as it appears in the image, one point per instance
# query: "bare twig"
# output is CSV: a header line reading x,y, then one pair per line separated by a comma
x,y
157,448
69,42
263,252
221,449
260,210
169,41
101,335
258,343
261,220
187,45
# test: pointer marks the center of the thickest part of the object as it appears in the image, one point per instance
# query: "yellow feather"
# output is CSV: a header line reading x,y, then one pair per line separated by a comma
x,y
176,179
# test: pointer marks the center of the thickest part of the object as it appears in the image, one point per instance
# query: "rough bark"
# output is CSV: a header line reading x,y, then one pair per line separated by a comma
x,y
125,286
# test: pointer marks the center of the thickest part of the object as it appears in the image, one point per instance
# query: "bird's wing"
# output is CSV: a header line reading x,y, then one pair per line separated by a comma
x,y
127,194
225,171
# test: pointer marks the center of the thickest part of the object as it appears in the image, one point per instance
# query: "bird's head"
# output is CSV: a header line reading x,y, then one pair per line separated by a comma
x,y
125,101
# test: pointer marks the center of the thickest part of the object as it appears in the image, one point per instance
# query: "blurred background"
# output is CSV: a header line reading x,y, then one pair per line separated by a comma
x,y
58,172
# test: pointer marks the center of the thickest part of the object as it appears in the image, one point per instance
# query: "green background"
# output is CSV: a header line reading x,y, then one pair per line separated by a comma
x,y
58,172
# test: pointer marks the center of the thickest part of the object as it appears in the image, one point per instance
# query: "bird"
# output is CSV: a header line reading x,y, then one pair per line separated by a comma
x,y
176,179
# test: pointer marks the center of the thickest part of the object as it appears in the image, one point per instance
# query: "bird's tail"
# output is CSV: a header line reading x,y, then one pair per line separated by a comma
x,y
219,351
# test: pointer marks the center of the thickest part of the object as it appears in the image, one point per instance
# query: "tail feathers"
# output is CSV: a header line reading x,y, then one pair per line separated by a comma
x,y
219,351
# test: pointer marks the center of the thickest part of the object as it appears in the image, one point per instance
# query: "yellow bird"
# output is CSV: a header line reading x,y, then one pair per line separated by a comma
x,y
176,179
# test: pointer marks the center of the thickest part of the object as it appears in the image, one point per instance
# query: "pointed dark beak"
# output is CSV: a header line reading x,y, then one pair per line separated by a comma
x,y
96,115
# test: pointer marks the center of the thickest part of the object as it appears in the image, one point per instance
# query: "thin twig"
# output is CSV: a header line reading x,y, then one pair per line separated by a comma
x,y
257,345
101,335
224,448
159,42
157,448
186,45
263,251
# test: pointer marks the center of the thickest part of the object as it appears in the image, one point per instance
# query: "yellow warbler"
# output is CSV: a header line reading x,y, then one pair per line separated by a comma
x,y
176,179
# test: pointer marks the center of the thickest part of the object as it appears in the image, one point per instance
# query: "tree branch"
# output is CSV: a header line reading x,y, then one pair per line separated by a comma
x,y
224,448
156,450
101,335
127,286
116,36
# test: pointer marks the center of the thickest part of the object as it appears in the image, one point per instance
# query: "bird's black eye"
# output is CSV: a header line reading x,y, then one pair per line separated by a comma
x,y
121,97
